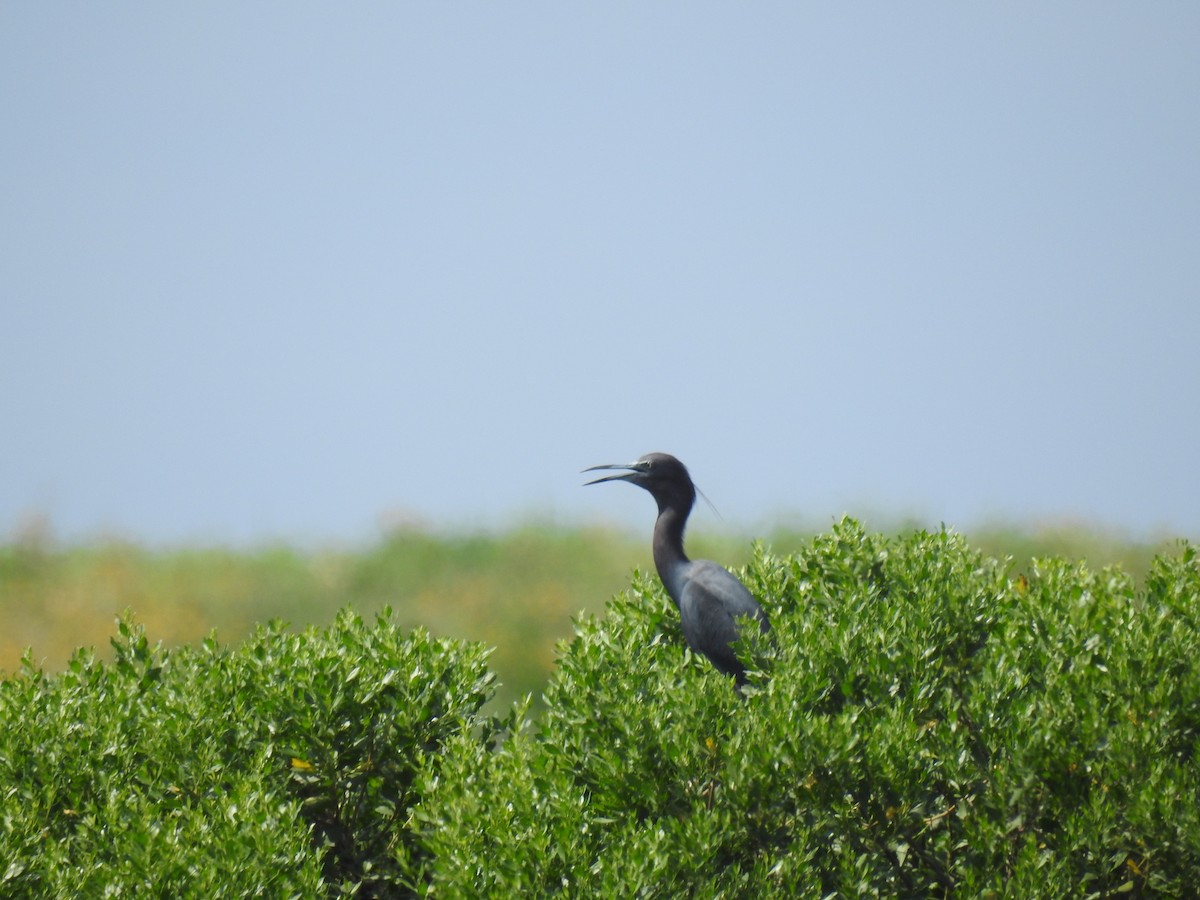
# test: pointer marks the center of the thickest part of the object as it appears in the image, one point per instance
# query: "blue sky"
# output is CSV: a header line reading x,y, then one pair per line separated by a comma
x,y
283,270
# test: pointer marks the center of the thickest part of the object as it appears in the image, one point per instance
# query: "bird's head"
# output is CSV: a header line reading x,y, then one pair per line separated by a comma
x,y
665,477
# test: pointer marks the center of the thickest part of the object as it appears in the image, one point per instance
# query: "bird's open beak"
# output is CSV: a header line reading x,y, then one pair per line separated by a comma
x,y
628,468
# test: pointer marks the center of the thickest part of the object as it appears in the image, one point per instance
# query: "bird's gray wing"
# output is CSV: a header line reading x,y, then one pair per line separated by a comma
x,y
711,603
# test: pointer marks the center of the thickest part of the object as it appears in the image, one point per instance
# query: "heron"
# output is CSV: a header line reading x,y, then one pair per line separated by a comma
x,y
710,599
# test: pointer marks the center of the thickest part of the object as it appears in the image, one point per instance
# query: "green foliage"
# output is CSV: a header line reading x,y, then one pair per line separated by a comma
x,y
359,711
926,725
282,768
927,721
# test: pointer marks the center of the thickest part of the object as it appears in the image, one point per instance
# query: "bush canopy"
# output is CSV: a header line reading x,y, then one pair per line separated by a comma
x,y
926,722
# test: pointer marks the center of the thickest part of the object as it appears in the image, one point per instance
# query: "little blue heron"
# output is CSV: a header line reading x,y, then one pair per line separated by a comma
x,y
710,599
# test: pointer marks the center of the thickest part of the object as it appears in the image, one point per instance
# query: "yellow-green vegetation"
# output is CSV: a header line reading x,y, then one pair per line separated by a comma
x,y
515,591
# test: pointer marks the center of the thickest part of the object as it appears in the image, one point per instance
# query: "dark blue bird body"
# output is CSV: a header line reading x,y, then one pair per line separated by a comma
x,y
710,599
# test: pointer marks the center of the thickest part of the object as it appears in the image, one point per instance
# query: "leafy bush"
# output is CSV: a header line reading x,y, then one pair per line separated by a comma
x,y
282,768
927,722
927,725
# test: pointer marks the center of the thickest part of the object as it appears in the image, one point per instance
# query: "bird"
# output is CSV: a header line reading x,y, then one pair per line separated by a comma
x,y
710,599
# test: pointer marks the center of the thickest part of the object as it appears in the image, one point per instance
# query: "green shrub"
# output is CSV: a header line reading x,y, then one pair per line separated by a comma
x,y
358,711
925,722
283,768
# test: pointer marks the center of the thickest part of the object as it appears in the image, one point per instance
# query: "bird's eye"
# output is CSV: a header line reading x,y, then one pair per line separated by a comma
x,y
643,465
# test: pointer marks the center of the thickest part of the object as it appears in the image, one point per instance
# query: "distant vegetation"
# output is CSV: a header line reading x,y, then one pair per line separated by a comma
x,y
516,590
930,722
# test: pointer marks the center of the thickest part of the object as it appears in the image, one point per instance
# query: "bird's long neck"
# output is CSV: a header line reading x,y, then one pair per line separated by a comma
x,y
669,558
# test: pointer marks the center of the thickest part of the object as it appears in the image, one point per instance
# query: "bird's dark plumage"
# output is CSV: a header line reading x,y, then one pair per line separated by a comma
x,y
710,599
